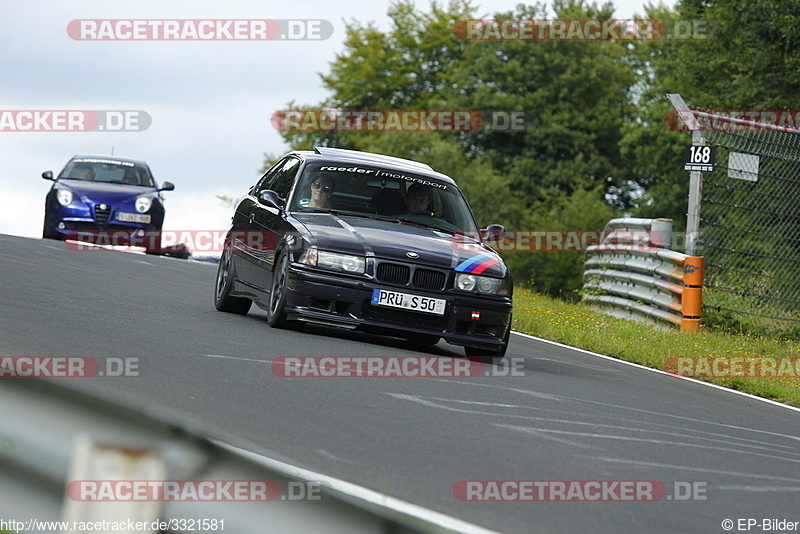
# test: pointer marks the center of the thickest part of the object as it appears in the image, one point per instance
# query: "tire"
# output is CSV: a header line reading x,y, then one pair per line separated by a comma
x,y
223,300
276,312
490,356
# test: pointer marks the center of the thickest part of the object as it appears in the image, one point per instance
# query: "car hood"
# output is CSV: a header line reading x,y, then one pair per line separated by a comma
x,y
390,240
104,192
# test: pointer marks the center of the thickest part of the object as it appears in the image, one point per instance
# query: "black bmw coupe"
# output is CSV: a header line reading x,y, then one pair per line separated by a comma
x,y
364,241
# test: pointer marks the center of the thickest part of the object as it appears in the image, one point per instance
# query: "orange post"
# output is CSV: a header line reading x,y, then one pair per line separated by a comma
x,y
692,298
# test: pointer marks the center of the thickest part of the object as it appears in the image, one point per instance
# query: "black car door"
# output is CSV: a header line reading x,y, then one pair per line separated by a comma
x,y
269,223
246,245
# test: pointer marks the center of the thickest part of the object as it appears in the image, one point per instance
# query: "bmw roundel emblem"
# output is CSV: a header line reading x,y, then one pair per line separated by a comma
x,y
412,254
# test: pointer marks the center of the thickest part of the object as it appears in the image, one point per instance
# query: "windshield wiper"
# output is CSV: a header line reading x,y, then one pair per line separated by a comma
x,y
351,214
324,210
425,225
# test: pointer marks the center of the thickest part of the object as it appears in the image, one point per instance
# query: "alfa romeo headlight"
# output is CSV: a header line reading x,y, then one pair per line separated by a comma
x,y
143,204
64,197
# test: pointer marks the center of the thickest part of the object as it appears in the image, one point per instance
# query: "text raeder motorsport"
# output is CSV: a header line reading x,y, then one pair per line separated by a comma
x,y
386,174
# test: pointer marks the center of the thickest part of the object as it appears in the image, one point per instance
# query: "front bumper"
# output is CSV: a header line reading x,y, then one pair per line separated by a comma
x,y
81,223
328,299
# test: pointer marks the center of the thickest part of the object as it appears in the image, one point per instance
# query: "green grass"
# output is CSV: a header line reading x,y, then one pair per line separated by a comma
x,y
578,326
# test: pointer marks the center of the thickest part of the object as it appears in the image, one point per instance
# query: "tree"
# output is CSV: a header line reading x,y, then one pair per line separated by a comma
x,y
578,92
750,61
560,273
556,174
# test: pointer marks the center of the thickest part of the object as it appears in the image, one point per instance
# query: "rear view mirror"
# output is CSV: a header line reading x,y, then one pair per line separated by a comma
x,y
48,175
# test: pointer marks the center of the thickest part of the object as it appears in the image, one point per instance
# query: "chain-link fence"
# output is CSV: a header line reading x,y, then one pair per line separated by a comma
x,y
749,223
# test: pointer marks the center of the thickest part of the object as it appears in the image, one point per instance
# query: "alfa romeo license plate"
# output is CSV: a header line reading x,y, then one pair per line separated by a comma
x,y
134,217
395,299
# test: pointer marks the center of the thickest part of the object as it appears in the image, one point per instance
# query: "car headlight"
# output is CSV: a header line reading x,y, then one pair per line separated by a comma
x,y
64,197
481,284
341,262
143,204
333,261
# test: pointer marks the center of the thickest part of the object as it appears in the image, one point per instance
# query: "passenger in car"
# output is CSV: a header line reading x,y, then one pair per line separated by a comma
x,y
418,199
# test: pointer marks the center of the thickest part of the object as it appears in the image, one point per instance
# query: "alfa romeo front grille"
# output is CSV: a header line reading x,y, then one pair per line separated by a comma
x,y
101,214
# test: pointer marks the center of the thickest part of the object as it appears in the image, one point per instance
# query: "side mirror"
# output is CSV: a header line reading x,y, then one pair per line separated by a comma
x,y
48,175
270,199
167,186
493,232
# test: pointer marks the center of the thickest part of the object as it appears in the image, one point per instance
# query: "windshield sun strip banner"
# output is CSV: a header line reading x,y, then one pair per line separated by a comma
x,y
381,173
105,161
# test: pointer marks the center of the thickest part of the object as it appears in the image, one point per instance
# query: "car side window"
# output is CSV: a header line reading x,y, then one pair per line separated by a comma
x,y
269,176
283,180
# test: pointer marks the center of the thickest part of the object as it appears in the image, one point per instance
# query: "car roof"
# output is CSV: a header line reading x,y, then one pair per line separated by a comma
x,y
110,159
341,155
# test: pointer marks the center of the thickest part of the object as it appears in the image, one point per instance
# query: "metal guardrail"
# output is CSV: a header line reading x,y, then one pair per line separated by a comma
x,y
632,275
51,436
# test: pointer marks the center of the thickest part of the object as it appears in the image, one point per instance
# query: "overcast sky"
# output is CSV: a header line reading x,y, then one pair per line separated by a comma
x,y
210,102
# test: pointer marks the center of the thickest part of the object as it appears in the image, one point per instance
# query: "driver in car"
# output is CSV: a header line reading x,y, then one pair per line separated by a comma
x,y
418,200
84,172
321,191
130,177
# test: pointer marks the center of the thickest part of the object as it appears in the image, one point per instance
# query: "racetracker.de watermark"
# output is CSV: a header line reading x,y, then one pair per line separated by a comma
x,y
192,490
390,367
66,367
342,120
577,491
732,120
582,30
569,240
165,241
73,120
200,29
217,241
734,367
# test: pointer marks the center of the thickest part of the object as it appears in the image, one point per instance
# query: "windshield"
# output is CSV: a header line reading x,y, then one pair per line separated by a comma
x,y
386,194
107,171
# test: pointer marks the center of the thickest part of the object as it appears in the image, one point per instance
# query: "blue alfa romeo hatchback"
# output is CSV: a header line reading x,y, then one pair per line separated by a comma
x,y
105,195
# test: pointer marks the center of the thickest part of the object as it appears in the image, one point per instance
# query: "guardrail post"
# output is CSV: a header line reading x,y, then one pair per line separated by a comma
x,y
692,299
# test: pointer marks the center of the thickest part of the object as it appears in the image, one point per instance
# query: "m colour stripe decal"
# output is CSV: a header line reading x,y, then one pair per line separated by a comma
x,y
477,264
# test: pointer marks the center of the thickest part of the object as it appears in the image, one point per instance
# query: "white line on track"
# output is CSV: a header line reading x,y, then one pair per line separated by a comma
x,y
686,468
595,435
675,432
238,358
708,384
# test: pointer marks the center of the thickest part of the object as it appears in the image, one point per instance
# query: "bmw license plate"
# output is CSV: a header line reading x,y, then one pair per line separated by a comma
x,y
134,217
395,299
